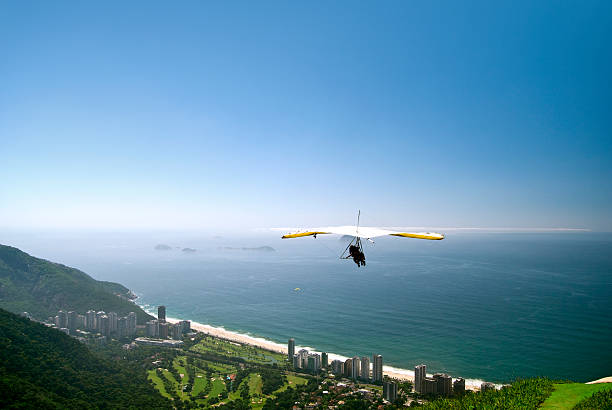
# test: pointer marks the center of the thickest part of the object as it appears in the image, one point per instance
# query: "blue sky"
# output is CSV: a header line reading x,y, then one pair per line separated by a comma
x,y
256,114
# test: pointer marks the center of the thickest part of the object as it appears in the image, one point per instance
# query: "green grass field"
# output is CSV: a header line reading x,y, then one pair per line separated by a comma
x,y
218,371
292,381
199,384
217,387
178,365
567,395
255,384
174,382
221,368
159,385
230,349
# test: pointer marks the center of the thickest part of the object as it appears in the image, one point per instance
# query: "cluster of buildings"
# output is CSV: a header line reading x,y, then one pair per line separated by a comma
x,y
92,322
357,368
97,327
371,370
160,329
304,360
441,383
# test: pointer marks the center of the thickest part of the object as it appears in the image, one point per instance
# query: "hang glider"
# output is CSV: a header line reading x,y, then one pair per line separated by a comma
x,y
363,232
355,247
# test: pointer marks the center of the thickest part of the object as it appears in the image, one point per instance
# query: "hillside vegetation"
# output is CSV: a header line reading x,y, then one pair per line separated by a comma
x,y
40,287
599,400
43,368
522,394
567,395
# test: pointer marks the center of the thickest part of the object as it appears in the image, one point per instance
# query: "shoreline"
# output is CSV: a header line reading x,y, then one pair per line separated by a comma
x,y
222,333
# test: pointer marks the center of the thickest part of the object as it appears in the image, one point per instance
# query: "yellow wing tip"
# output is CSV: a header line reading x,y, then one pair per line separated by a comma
x,y
425,235
300,234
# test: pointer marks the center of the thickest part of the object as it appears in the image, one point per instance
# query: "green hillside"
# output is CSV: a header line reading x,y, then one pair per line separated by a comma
x,y
40,287
567,395
43,368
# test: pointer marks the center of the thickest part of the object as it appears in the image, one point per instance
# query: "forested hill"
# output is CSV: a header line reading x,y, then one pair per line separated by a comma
x,y
43,368
41,288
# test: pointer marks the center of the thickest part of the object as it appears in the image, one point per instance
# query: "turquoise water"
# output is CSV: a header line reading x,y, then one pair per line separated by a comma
x,y
484,306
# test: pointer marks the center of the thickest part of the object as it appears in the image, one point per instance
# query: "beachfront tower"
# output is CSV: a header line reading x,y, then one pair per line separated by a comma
x,y
348,368
377,368
291,349
419,374
303,358
324,360
337,367
314,362
161,313
429,385
365,368
389,391
163,330
459,386
355,368
444,384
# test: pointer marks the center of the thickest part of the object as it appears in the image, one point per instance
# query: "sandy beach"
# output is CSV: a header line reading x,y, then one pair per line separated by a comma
x,y
397,373
602,380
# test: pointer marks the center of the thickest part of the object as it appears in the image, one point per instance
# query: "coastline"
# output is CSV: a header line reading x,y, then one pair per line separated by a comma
x,y
222,333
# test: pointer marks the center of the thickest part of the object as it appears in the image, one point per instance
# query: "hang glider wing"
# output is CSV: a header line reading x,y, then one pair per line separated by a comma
x,y
363,232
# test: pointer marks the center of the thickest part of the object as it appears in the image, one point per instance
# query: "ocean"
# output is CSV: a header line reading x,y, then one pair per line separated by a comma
x,y
490,306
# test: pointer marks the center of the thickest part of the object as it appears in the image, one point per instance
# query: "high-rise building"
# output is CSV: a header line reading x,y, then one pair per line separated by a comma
x,y
443,384
337,367
161,313
303,353
364,373
429,385
297,361
377,368
131,324
459,386
355,373
72,320
348,368
62,319
185,326
80,323
104,323
163,330
420,373
389,390
122,327
91,319
152,329
98,320
291,349
314,363
112,320
324,360
487,386
175,331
